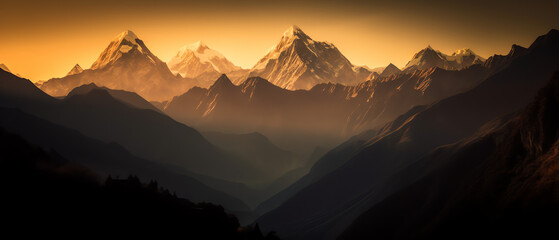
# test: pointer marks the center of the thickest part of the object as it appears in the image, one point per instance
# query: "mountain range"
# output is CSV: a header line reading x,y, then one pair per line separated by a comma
x,y
126,64
198,61
304,144
379,160
296,118
296,62
429,57
486,184
169,142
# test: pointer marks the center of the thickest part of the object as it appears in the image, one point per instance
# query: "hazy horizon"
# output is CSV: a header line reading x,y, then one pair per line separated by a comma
x,y
371,33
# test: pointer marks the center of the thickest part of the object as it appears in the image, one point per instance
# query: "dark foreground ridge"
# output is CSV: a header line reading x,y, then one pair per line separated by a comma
x,y
42,192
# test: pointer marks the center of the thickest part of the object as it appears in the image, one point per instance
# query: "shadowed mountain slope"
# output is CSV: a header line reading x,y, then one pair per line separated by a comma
x,y
342,194
503,182
39,186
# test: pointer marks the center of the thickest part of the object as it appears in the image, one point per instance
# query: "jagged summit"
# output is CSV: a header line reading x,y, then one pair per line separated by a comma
x,y
222,81
465,51
127,35
125,64
75,70
256,81
516,49
497,61
391,69
429,57
197,46
197,58
552,37
299,62
126,43
294,31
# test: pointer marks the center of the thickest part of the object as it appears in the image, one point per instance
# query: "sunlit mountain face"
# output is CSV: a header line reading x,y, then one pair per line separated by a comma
x,y
281,119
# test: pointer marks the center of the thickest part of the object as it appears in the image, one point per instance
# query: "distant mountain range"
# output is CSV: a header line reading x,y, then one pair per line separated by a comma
x,y
390,159
304,143
296,62
429,57
126,64
198,61
113,116
292,118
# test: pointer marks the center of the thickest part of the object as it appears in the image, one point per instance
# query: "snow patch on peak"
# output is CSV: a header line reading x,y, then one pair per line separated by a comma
x,y
127,43
197,47
197,58
201,51
124,48
293,30
429,57
464,52
128,36
299,62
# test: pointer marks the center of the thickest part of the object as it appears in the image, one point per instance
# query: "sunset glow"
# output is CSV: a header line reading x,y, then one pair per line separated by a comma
x,y
41,40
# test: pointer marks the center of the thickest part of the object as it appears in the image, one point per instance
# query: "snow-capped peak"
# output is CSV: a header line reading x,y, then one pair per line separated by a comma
x,y
197,47
464,52
128,36
429,57
299,62
293,33
197,58
125,43
294,30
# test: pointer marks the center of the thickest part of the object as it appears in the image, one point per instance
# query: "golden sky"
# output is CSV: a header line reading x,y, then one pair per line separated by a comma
x,y
41,39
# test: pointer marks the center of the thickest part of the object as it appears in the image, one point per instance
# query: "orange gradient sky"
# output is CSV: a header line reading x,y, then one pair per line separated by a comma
x,y
41,39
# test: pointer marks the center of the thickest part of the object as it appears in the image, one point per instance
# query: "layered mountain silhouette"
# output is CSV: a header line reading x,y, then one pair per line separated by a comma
x,y
126,64
299,62
109,159
144,132
368,176
130,98
429,57
502,182
256,148
38,185
452,146
295,117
